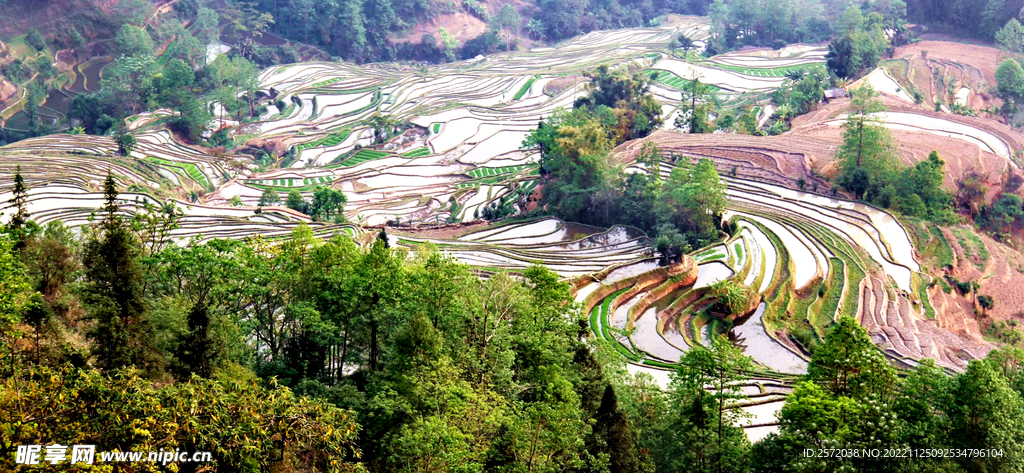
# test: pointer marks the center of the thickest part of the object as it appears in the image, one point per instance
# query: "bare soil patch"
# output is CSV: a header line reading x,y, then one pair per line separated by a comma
x,y
914,146
970,65
7,90
448,231
557,86
462,26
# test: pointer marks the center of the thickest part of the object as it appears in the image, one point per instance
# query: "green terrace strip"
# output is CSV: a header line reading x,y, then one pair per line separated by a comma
x,y
829,303
766,72
709,257
480,182
487,172
306,183
361,157
328,82
436,128
317,180
417,153
526,88
332,139
918,281
676,82
191,170
606,331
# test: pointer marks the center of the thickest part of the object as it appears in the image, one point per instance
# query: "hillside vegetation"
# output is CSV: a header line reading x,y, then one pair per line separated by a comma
x,y
686,245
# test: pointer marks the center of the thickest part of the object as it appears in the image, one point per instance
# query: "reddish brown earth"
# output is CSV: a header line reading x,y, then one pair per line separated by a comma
x,y
557,86
779,159
1001,276
447,231
7,90
971,65
915,146
460,25
464,26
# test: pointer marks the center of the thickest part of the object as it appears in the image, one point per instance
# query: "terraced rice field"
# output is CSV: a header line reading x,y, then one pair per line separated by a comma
x,y
808,257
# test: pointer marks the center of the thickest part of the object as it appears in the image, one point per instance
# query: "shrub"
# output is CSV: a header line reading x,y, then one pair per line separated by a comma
x,y
35,40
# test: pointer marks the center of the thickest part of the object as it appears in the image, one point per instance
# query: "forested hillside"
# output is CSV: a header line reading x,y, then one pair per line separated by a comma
x,y
370,24
342,355
325,236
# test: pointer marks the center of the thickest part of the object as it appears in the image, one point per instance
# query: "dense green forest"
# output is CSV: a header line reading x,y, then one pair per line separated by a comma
x,y
312,355
860,35
368,24
141,80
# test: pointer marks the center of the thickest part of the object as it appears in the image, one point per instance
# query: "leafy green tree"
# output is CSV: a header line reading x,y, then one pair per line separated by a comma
x,y
801,93
704,435
535,28
642,189
508,22
860,45
201,275
51,260
1010,86
574,149
867,155
295,201
1001,216
187,48
919,190
35,39
627,92
848,364
192,119
206,26
176,84
14,295
1009,361
125,142
127,84
847,399
352,39
1011,36
693,200
448,44
612,424
383,127
378,279
696,108
269,197
985,413
643,403
327,203
133,41
247,23
561,18
986,302
813,418
683,42
920,405
246,424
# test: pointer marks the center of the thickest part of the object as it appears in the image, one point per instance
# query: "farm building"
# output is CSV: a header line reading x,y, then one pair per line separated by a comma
x,y
832,94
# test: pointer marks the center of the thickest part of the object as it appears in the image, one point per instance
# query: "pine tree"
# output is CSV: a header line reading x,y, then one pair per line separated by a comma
x,y
196,351
613,427
19,201
113,292
110,196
